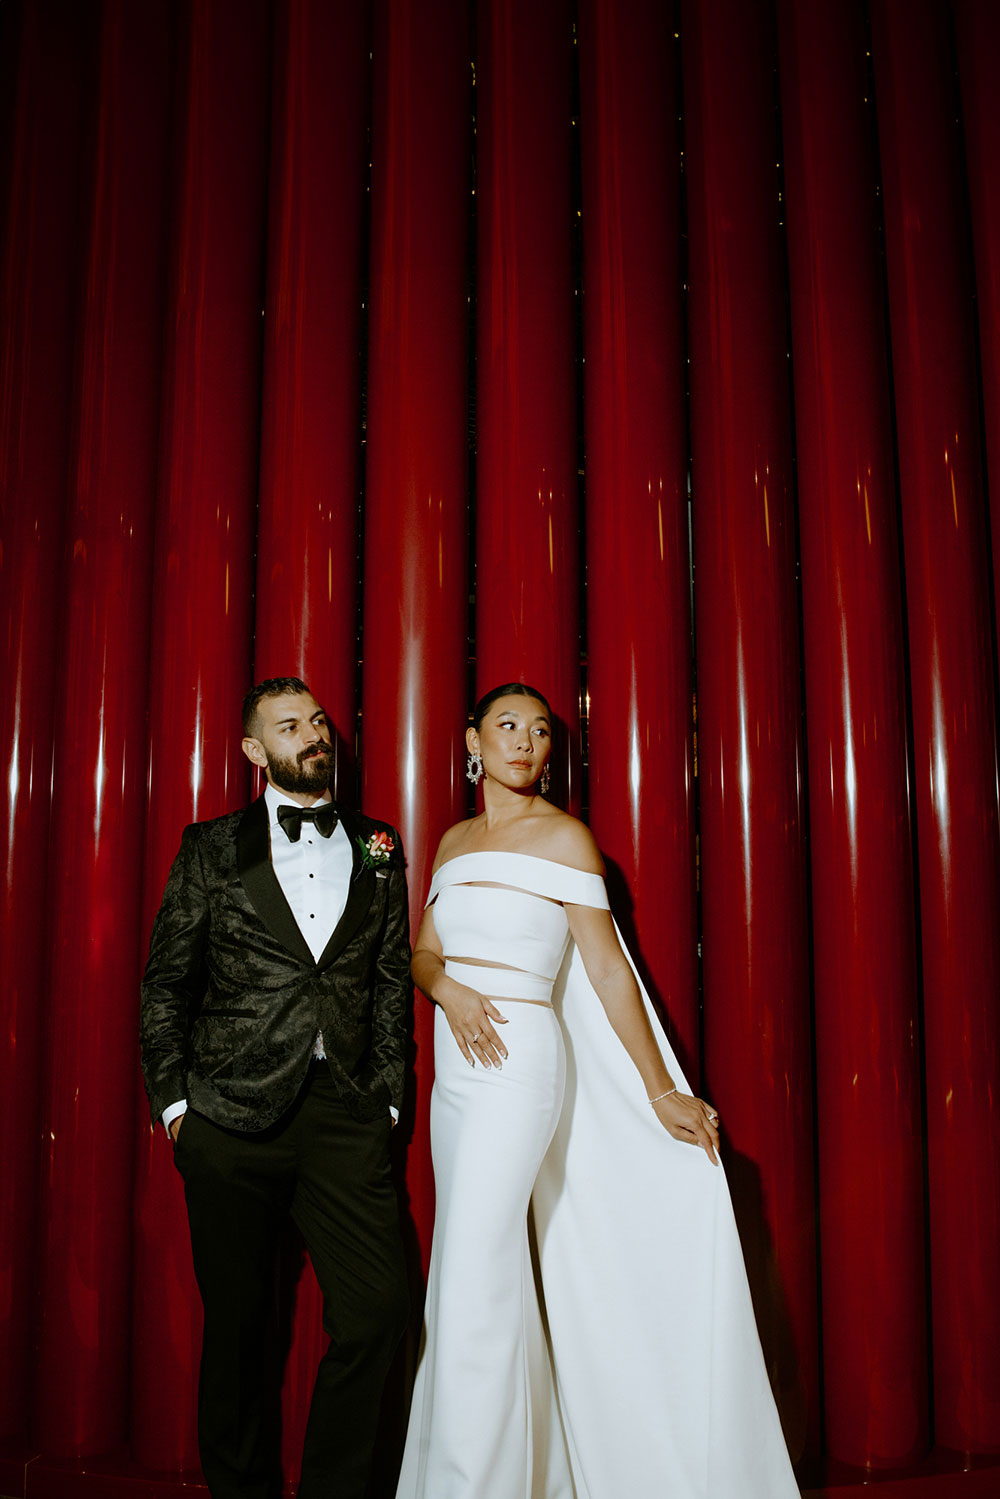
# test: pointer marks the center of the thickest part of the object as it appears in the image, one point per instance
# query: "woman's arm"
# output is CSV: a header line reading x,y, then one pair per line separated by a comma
x,y
471,1016
684,1117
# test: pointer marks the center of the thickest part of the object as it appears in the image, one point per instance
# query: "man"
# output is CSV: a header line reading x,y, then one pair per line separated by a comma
x,y
273,1032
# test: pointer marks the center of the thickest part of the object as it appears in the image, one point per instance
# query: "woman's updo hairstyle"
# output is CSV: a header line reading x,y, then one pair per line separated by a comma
x,y
509,689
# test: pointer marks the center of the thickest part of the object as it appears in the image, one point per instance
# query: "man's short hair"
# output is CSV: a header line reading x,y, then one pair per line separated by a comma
x,y
272,687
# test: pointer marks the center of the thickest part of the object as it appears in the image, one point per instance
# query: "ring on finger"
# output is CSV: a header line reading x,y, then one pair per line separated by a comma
x,y
476,1037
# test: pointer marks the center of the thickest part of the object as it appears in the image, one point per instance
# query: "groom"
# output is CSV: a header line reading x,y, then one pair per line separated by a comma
x,y
273,1033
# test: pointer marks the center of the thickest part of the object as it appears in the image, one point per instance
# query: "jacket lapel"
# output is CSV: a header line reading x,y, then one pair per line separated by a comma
x,y
359,896
253,861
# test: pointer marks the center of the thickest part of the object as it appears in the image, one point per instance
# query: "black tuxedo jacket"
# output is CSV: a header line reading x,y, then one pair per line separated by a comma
x,y
232,997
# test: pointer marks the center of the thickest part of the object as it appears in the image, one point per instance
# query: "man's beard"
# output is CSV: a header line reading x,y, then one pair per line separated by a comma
x,y
308,774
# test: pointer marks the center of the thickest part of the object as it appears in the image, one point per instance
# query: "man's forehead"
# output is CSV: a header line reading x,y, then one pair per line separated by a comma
x,y
289,705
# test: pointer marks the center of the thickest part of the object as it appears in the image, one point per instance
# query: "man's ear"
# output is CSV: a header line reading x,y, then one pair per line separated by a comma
x,y
254,751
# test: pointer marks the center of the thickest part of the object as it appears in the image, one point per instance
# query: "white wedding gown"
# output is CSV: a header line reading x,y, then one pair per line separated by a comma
x,y
640,1374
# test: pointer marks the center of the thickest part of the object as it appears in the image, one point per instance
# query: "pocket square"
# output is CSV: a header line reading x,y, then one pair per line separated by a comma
x,y
381,874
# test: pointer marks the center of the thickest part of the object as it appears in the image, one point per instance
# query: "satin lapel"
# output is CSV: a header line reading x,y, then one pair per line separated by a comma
x,y
253,860
359,897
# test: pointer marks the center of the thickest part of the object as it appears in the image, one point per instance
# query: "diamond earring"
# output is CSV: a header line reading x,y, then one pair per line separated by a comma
x,y
474,769
544,781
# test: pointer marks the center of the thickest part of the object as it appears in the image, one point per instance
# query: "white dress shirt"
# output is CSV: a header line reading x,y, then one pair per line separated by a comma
x,y
314,874
315,879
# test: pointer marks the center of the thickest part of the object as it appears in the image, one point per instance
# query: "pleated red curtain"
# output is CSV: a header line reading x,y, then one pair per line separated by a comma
x,y
648,353
952,684
860,820
42,245
755,932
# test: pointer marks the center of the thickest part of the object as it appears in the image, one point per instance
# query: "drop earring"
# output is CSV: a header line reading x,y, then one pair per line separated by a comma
x,y
474,769
544,781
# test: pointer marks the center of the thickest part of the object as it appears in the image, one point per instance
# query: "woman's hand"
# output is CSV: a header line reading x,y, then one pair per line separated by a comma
x,y
472,1018
691,1120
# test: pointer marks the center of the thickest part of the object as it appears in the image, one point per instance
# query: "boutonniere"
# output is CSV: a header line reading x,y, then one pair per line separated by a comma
x,y
375,850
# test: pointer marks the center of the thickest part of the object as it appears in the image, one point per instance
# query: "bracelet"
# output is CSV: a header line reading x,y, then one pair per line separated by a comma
x,y
669,1094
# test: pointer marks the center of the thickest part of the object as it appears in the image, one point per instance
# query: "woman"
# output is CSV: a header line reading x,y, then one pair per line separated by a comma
x,y
562,1133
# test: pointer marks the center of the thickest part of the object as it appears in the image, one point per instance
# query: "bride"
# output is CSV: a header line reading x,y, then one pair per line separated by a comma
x,y
588,1326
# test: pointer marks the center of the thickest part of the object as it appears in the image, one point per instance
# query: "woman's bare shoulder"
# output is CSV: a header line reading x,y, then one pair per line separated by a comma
x,y
567,840
453,842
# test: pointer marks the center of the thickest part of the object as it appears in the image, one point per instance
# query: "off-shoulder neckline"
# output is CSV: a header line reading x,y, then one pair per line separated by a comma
x,y
512,853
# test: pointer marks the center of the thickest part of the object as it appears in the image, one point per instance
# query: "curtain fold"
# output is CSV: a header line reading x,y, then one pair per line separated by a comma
x,y
751,751
104,572
527,516
201,640
952,685
416,550
39,257
868,1062
639,647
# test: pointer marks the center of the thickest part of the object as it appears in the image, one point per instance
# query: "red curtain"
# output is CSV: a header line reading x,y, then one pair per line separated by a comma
x,y
416,346
860,823
749,673
952,682
41,247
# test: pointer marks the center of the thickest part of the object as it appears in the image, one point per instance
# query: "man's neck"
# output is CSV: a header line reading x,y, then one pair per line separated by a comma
x,y
304,798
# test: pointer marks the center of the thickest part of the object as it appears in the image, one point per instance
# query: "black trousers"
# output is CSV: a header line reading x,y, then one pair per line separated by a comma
x,y
330,1174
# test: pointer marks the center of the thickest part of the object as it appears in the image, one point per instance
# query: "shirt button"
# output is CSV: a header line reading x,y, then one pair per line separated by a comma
x,y
312,915
312,876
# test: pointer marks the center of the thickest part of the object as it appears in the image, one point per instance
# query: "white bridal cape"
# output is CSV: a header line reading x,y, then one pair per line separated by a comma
x,y
611,1354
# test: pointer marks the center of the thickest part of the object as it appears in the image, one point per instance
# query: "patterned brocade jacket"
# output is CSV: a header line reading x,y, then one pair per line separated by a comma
x,y
232,997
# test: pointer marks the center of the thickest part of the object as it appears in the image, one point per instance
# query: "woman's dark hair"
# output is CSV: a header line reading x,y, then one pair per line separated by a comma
x,y
509,689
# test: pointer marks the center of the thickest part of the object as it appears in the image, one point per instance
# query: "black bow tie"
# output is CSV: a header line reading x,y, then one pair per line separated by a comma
x,y
292,818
